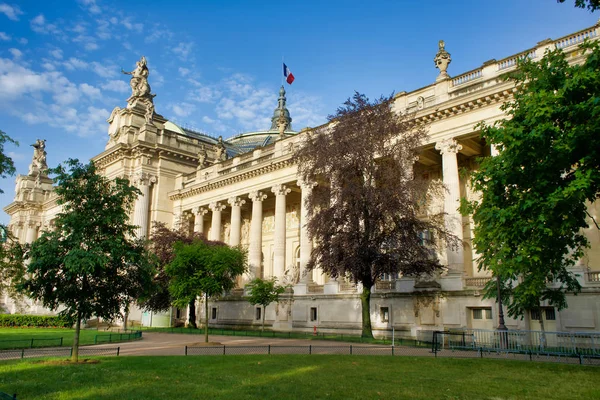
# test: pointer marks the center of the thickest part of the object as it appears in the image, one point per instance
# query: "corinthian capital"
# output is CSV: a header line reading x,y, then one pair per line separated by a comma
x,y
199,211
257,195
143,178
236,201
280,190
448,146
216,206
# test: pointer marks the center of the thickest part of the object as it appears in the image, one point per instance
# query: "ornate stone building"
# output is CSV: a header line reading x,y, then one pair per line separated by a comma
x,y
245,190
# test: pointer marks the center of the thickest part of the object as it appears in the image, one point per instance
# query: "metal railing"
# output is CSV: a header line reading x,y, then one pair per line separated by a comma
x,y
31,343
61,352
310,350
117,337
528,344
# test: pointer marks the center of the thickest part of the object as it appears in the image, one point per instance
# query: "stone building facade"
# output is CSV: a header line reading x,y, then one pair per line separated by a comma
x,y
245,191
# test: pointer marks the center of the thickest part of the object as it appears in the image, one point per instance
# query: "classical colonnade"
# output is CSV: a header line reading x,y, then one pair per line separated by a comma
x,y
448,148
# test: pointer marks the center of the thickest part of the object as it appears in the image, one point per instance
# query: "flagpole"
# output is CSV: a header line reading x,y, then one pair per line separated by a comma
x,y
282,63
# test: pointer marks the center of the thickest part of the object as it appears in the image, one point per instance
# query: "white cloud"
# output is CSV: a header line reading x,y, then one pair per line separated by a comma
x,y
182,109
136,27
12,12
116,86
39,25
182,71
79,28
158,32
183,49
104,70
88,42
49,66
22,41
208,120
16,156
74,63
16,53
4,36
57,53
90,91
91,6
16,80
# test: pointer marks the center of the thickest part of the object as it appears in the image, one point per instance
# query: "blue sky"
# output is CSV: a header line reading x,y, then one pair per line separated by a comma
x,y
216,65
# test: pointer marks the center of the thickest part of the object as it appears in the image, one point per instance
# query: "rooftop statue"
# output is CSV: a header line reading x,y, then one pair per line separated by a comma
x,y
38,162
141,89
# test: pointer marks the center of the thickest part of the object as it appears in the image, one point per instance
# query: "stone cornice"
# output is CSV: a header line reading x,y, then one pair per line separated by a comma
x,y
141,148
232,178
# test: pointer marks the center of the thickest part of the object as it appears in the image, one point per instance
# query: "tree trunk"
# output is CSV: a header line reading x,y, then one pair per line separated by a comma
x,y
125,316
192,314
206,318
365,301
542,328
263,319
75,354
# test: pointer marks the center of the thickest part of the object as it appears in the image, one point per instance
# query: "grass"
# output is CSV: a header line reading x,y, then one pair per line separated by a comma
x,y
297,377
10,338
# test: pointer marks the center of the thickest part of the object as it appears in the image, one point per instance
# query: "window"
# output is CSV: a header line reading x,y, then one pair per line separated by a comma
x,y
384,313
214,313
258,313
313,313
177,313
548,312
385,277
482,313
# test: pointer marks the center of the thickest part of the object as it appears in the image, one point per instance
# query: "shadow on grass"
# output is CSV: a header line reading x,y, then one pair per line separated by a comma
x,y
297,377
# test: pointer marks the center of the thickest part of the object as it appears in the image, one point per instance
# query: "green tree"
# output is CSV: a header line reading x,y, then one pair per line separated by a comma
x,y
264,292
162,241
12,269
364,212
7,166
591,5
88,263
203,268
536,192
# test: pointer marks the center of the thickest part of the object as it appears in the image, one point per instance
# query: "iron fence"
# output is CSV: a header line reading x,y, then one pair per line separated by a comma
x,y
31,343
310,349
568,347
117,337
57,352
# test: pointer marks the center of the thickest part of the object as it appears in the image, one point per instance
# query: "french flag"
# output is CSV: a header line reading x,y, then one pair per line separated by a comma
x,y
289,77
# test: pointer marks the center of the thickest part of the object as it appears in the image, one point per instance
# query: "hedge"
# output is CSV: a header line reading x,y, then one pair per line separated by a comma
x,y
38,321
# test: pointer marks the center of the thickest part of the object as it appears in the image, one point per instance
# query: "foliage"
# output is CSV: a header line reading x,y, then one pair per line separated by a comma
x,y
298,377
7,166
529,222
38,321
162,240
591,5
364,212
12,269
89,265
264,292
203,267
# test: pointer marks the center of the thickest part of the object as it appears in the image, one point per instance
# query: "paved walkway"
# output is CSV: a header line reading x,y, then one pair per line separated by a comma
x,y
171,344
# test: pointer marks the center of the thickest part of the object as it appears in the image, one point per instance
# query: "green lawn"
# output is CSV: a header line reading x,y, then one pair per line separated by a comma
x,y
8,337
298,377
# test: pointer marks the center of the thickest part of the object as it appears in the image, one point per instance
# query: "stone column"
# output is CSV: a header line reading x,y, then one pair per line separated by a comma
x,y
143,181
449,148
279,236
235,230
199,213
31,234
305,242
255,247
216,208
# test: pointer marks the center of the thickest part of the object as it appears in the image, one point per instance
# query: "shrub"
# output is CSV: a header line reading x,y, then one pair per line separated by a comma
x,y
37,321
